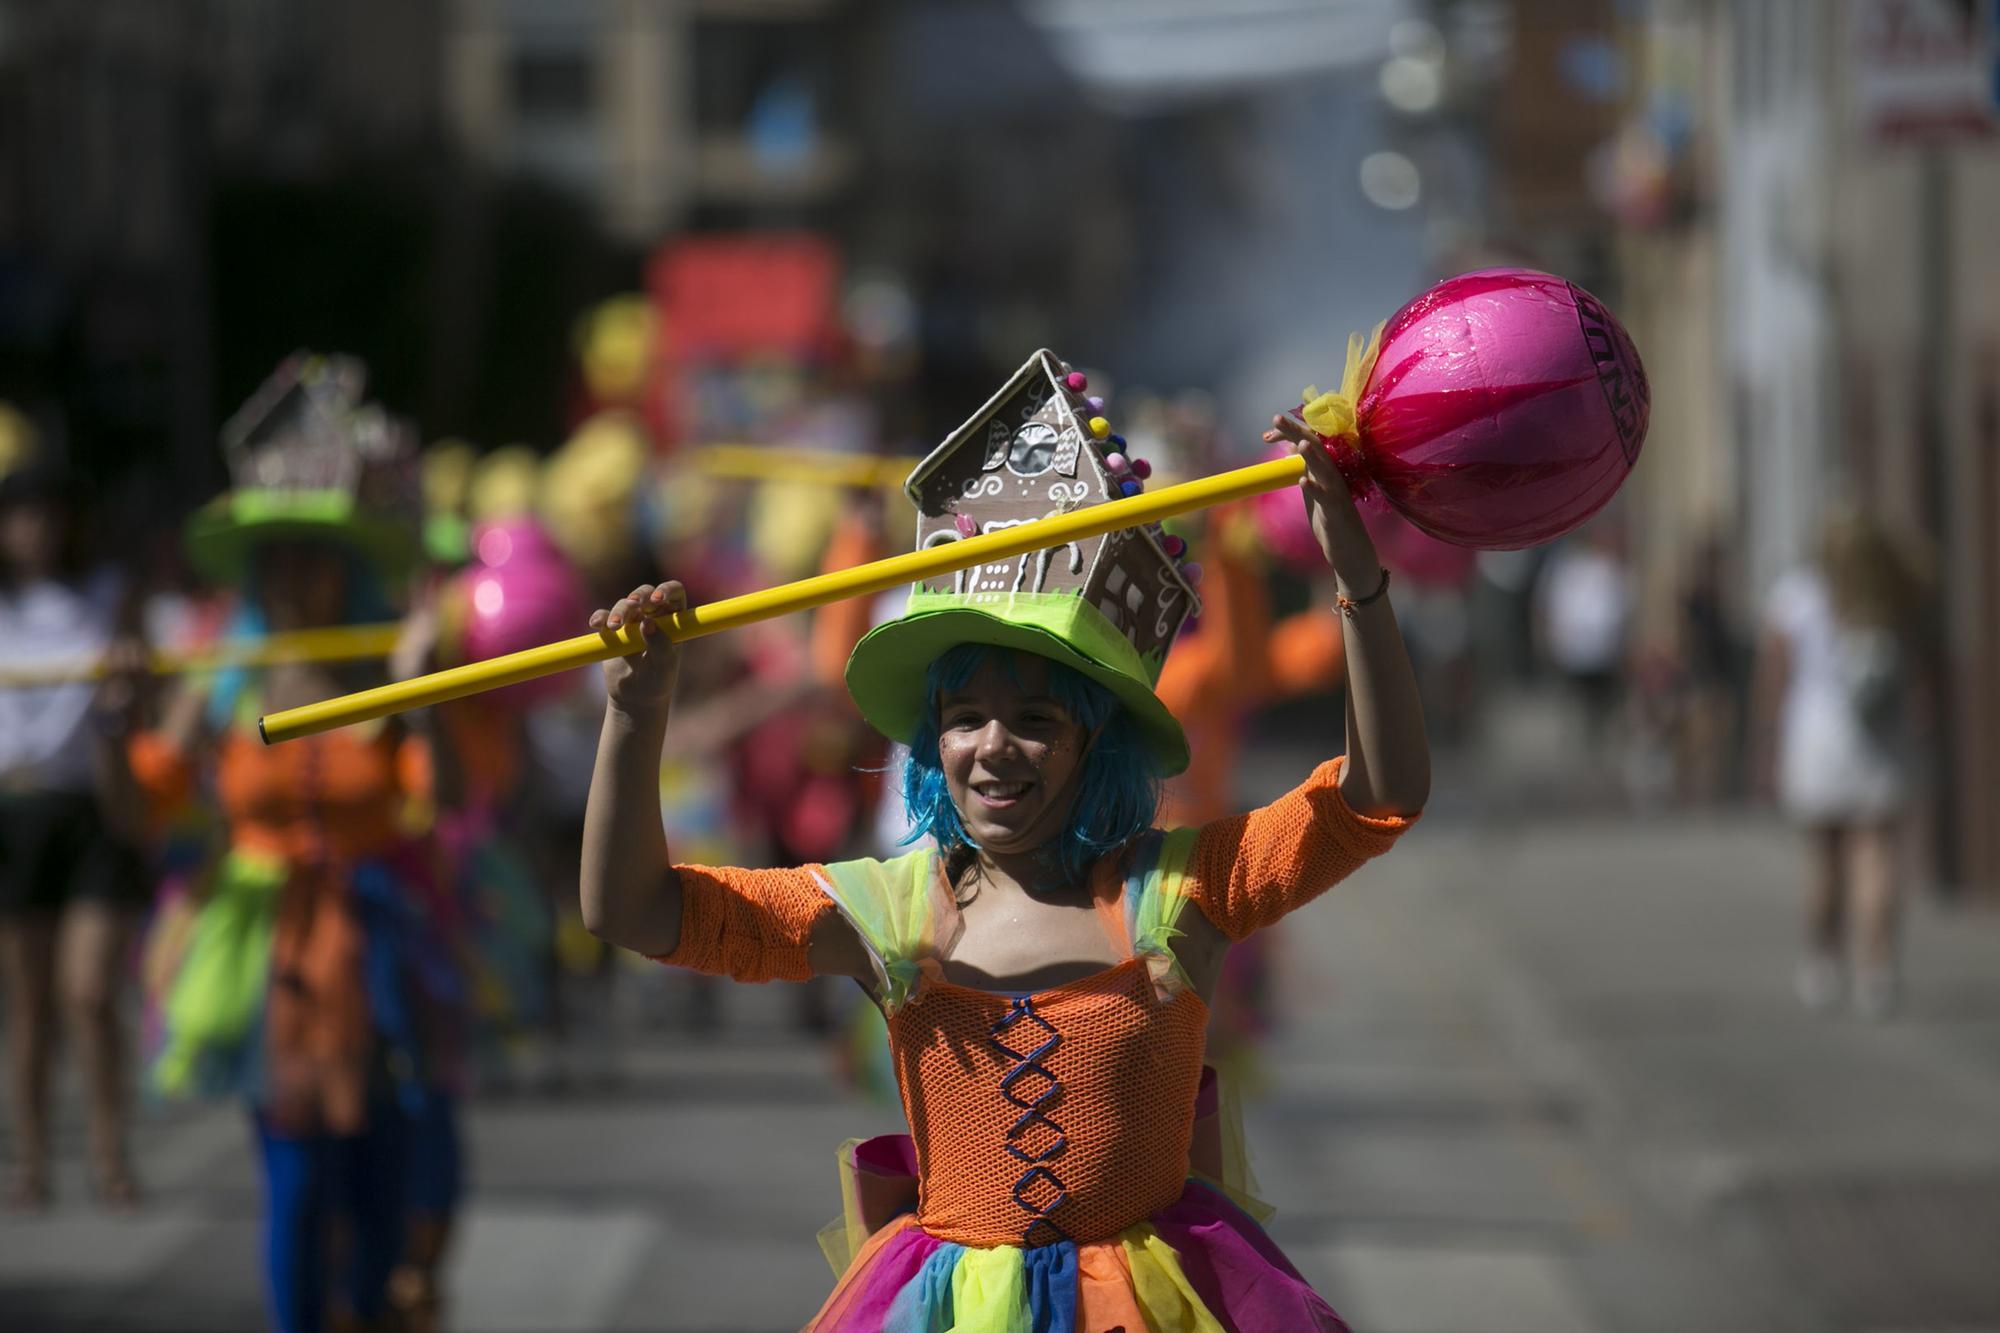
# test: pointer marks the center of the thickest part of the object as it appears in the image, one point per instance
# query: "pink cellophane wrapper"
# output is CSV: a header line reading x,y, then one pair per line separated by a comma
x,y
519,592
1506,407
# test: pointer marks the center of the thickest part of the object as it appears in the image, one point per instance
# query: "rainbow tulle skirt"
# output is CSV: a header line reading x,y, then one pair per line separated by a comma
x,y
1200,1265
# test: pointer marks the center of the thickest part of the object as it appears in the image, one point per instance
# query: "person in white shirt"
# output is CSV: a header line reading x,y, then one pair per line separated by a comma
x,y
1586,609
1838,689
70,882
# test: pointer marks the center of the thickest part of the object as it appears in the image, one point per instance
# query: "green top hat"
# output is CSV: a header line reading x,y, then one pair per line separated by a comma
x,y
1108,606
309,459
222,535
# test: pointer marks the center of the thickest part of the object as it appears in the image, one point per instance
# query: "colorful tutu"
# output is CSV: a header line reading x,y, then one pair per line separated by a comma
x,y
1202,1264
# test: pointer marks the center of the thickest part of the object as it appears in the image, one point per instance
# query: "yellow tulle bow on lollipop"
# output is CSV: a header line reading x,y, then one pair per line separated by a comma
x,y
1334,415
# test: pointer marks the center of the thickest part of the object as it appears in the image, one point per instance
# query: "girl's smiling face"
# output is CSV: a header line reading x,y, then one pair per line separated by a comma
x,y
1010,753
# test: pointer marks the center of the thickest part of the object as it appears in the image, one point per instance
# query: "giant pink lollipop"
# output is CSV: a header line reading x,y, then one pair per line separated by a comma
x,y
1502,409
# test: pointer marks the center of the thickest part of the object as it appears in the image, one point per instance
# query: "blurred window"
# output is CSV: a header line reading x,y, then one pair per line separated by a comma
x,y
741,63
555,85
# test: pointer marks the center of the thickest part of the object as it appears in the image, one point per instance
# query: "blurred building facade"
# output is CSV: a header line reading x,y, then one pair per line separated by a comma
x,y
116,121
658,110
188,191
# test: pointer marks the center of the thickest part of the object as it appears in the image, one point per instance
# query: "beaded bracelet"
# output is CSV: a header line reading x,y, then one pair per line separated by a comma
x,y
1347,606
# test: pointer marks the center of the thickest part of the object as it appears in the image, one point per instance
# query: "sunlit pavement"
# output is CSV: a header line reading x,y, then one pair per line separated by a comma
x,y
1541,1075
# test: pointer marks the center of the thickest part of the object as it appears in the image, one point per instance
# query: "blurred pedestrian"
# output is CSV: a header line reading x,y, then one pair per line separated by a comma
x,y
1709,761
1838,683
1586,609
71,883
316,980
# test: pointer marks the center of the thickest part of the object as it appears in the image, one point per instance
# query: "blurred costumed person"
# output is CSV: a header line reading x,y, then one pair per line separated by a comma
x,y
71,883
1043,978
1232,661
315,976
732,686
1839,686
508,589
861,1039
806,777
587,498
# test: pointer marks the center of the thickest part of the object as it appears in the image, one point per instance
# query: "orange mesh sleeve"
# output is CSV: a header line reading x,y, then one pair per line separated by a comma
x,y
752,925
1248,870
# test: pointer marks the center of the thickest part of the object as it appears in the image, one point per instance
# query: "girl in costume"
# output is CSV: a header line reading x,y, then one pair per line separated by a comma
x,y
315,980
1044,971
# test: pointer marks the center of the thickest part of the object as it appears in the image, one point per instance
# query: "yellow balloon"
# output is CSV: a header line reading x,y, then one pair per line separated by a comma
x,y
588,488
504,484
448,466
616,345
790,525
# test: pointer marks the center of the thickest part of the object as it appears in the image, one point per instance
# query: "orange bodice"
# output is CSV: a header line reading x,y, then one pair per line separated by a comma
x,y
1063,1114
332,797
1068,1112
321,803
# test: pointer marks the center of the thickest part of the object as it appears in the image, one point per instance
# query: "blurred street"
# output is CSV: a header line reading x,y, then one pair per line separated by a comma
x,y
1542,1074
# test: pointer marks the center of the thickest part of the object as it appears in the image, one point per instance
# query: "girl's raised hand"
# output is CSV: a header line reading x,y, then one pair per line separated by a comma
x,y
1330,506
642,684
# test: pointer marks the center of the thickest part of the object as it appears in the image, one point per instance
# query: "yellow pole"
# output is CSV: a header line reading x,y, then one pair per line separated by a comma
x,y
734,462
916,566
338,643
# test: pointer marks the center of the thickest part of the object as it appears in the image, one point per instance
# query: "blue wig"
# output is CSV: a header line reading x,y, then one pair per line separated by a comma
x,y
1118,791
236,687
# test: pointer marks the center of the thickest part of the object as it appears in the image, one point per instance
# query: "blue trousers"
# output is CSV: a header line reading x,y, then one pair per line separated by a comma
x,y
312,1181
404,1164
433,1168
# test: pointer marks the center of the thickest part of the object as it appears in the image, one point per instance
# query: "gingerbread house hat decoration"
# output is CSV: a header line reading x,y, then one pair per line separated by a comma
x,y
310,457
1108,606
1042,446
